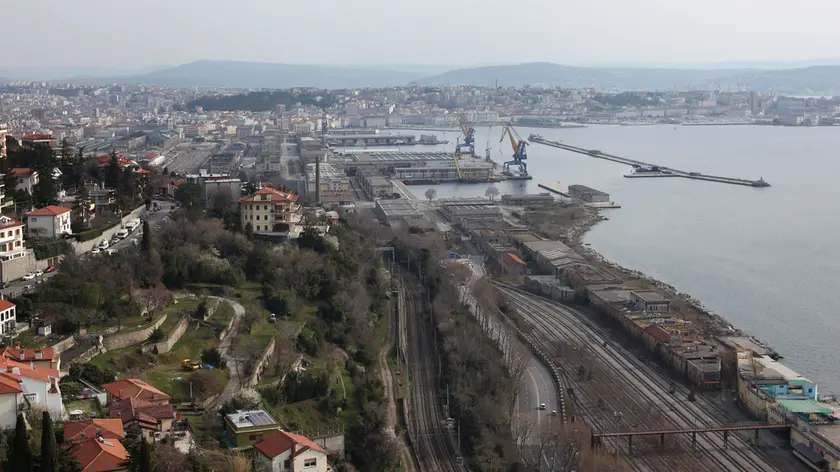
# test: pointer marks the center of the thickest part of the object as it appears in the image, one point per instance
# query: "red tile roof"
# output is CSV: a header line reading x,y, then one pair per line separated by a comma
x,y
9,385
278,443
28,353
510,258
28,370
105,161
6,222
109,428
274,196
37,137
140,410
99,456
50,210
21,171
135,388
5,305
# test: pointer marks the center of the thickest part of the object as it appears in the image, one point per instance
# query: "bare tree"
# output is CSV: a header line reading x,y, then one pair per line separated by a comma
x,y
154,299
431,194
492,192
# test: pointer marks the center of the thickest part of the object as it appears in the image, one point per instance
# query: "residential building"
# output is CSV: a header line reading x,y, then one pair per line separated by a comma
x,y
102,198
11,396
153,421
270,211
39,385
287,452
8,317
11,239
45,357
99,455
48,222
106,428
125,389
245,428
140,405
38,141
27,179
4,130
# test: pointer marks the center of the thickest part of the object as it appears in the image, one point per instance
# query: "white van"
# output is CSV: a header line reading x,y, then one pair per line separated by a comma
x,y
122,234
103,244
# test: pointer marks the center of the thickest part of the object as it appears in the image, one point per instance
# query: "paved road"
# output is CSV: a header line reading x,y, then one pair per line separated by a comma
x,y
17,288
235,383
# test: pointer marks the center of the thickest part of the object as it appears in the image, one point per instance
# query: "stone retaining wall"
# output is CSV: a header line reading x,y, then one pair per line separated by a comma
x,y
64,345
258,369
130,338
166,345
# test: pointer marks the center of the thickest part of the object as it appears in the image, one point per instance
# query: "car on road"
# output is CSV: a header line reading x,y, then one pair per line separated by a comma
x,y
95,251
50,269
103,244
29,276
542,406
39,273
553,412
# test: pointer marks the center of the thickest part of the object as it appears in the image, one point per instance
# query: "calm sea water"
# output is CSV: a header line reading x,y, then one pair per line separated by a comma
x,y
767,260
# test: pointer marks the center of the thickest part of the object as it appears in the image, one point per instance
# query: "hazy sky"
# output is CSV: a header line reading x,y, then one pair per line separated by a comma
x,y
122,33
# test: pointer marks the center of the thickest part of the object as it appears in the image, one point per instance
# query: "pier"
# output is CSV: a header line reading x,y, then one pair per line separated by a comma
x,y
645,169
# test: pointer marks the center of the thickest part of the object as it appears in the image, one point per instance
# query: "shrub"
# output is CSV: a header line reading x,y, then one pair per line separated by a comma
x,y
88,235
213,357
157,335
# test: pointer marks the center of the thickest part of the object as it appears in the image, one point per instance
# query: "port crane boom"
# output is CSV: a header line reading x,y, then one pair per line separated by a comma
x,y
518,145
469,137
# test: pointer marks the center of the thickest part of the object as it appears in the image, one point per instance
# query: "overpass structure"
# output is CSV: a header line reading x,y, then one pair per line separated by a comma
x,y
596,438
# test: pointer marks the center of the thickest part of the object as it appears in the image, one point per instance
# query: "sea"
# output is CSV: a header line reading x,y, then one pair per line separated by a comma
x,y
766,259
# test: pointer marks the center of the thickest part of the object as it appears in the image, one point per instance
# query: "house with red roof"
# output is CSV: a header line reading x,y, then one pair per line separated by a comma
x,y
42,357
27,179
48,222
140,405
99,454
288,452
8,317
270,212
11,239
38,140
11,395
38,385
106,428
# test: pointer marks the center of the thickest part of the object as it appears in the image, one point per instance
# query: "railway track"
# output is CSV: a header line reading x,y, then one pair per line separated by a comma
x,y
429,435
554,322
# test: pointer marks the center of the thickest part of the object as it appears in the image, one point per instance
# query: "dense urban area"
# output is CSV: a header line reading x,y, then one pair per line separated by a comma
x,y
248,280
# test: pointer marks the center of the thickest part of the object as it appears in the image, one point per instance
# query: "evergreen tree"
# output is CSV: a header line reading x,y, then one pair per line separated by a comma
x,y
20,456
49,449
113,173
144,462
249,231
66,150
146,242
46,192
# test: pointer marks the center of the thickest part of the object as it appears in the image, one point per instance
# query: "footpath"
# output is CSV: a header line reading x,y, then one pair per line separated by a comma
x,y
235,382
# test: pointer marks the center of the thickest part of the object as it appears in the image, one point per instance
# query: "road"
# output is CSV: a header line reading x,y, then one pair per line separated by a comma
x,y
235,382
428,432
642,402
17,288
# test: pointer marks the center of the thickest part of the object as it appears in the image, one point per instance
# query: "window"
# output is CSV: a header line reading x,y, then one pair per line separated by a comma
x,y
309,463
287,464
258,217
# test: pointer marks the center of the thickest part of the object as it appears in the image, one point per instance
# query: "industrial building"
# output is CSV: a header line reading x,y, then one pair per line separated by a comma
x,y
376,186
527,199
458,209
335,186
588,194
446,171
400,213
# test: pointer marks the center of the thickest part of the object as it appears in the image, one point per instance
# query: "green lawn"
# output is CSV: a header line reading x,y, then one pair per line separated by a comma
x,y
104,360
221,318
303,416
174,312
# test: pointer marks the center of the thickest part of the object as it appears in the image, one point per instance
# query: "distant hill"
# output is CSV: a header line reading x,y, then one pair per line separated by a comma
x,y
814,80
253,75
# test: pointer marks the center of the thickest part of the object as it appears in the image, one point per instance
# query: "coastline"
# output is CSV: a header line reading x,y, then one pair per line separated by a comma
x,y
690,308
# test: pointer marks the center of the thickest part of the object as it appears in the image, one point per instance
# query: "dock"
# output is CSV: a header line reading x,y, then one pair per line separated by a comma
x,y
646,169
564,192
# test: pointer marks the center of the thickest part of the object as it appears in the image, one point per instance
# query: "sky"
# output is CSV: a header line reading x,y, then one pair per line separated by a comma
x,y
461,33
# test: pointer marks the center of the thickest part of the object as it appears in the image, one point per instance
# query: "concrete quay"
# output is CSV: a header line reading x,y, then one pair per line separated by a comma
x,y
645,169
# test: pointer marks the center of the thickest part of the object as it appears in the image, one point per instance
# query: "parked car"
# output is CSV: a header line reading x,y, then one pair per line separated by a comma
x,y
50,269
39,273
28,276
103,244
95,251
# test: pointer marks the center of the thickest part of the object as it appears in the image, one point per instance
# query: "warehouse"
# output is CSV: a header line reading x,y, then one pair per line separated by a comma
x,y
588,194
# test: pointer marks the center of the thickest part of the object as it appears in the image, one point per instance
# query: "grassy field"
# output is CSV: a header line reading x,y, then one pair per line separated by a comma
x,y
175,310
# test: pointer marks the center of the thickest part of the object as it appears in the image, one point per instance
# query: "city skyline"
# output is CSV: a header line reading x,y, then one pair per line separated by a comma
x,y
453,34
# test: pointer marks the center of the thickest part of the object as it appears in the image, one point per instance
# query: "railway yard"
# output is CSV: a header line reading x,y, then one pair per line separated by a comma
x,y
613,390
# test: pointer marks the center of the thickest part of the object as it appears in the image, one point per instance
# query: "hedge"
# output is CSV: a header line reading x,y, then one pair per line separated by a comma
x,y
88,235
45,249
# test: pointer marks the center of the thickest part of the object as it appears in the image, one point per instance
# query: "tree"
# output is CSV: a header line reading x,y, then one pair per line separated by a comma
x,y
146,242
213,357
46,191
249,231
431,194
20,456
188,194
49,449
113,172
492,192
142,460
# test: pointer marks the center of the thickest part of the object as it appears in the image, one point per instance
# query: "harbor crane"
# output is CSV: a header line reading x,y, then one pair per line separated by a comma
x,y
469,137
519,154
